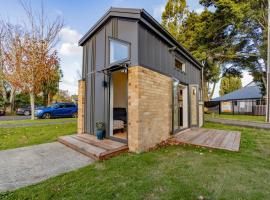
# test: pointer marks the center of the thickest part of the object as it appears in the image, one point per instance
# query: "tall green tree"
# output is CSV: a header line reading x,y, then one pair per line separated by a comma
x,y
174,15
203,35
51,85
247,29
229,84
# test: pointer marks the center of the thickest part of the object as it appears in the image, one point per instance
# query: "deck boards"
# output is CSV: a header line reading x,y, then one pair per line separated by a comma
x,y
220,139
90,146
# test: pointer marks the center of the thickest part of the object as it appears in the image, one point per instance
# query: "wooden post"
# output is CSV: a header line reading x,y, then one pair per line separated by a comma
x,y
268,70
81,106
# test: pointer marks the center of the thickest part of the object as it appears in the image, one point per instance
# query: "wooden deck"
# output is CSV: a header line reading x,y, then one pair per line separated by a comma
x,y
90,146
218,139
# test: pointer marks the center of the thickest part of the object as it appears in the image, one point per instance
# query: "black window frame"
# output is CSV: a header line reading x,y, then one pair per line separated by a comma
x,y
70,105
128,44
176,59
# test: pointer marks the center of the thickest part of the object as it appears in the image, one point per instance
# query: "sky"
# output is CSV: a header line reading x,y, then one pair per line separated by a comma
x,y
79,16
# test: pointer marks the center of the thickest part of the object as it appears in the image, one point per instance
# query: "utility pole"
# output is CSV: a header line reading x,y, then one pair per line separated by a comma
x,y
268,68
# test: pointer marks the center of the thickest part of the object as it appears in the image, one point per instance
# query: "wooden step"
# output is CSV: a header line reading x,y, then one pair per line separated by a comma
x,y
82,147
91,147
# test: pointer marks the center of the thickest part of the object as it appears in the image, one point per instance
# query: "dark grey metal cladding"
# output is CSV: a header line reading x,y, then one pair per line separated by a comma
x,y
96,58
149,48
154,53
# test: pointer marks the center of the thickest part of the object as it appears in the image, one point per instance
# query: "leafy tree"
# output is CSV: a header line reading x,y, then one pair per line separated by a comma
x,y
174,15
200,34
22,99
30,58
229,84
232,33
247,29
50,86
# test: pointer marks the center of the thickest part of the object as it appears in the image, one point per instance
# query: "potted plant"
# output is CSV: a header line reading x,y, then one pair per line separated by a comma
x,y
100,130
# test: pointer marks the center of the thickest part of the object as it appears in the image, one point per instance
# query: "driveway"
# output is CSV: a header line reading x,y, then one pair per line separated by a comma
x,y
24,124
28,165
248,124
14,117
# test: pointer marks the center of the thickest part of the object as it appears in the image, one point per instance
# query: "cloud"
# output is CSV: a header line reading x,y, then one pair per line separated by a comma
x,y
199,10
70,58
69,38
68,49
68,34
158,10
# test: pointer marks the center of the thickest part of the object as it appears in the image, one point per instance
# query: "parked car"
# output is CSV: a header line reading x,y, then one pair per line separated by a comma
x,y
26,110
57,110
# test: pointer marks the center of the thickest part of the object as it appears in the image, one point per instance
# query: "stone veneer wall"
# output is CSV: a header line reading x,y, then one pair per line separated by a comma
x,y
81,107
149,108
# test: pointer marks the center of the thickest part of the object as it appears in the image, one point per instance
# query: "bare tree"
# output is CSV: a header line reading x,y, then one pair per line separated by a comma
x,y
30,57
5,86
2,36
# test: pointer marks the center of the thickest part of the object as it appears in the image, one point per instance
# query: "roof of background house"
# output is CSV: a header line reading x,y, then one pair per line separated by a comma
x,y
146,19
250,91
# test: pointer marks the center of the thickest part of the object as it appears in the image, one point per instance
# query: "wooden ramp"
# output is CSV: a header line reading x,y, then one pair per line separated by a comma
x,y
218,139
90,146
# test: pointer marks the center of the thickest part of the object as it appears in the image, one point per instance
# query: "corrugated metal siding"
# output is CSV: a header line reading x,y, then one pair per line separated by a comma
x,y
154,54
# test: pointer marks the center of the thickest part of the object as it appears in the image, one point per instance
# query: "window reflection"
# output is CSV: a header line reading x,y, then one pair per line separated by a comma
x,y
119,51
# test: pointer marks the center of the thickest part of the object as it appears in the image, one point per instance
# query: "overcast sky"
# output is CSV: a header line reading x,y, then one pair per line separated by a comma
x,y
79,16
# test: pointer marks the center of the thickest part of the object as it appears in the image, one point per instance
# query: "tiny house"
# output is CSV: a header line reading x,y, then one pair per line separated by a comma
x,y
138,80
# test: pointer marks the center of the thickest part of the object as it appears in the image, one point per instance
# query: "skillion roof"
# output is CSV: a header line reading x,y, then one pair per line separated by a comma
x,y
145,18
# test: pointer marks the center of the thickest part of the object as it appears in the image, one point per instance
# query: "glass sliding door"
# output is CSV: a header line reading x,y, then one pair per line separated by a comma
x,y
175,106
180,106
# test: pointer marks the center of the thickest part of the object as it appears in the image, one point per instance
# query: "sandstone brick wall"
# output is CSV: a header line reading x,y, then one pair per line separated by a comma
x,y
81,108
149,108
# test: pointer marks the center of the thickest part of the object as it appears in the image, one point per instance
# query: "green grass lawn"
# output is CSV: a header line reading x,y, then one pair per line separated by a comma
x,y
237,117
25,136
175,172
36,121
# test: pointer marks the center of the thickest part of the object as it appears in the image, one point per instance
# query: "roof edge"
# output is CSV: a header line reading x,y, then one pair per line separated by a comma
x,y
145,15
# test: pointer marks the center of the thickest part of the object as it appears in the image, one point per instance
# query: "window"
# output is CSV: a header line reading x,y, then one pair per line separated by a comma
x,y
69,105
180,65
61,106
119,51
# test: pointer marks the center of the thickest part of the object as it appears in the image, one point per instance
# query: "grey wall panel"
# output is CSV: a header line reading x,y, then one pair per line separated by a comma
x,y
154,53
88,95
128,31
99,114
95,59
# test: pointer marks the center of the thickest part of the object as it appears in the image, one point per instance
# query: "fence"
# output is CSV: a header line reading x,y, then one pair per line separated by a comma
x,y
238,107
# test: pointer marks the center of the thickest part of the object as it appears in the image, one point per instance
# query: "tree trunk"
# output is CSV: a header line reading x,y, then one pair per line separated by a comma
x,y
4,92
45,98
32,102
12,99
213,90
49,99
205,93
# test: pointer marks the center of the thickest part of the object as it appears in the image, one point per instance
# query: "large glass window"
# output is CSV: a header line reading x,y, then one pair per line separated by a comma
x,y
119,51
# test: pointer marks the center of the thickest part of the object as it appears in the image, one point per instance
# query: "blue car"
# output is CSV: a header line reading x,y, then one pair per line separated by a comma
x,y
57,110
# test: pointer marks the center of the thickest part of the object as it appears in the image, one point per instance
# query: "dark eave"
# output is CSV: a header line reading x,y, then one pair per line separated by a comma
x,y
145,18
